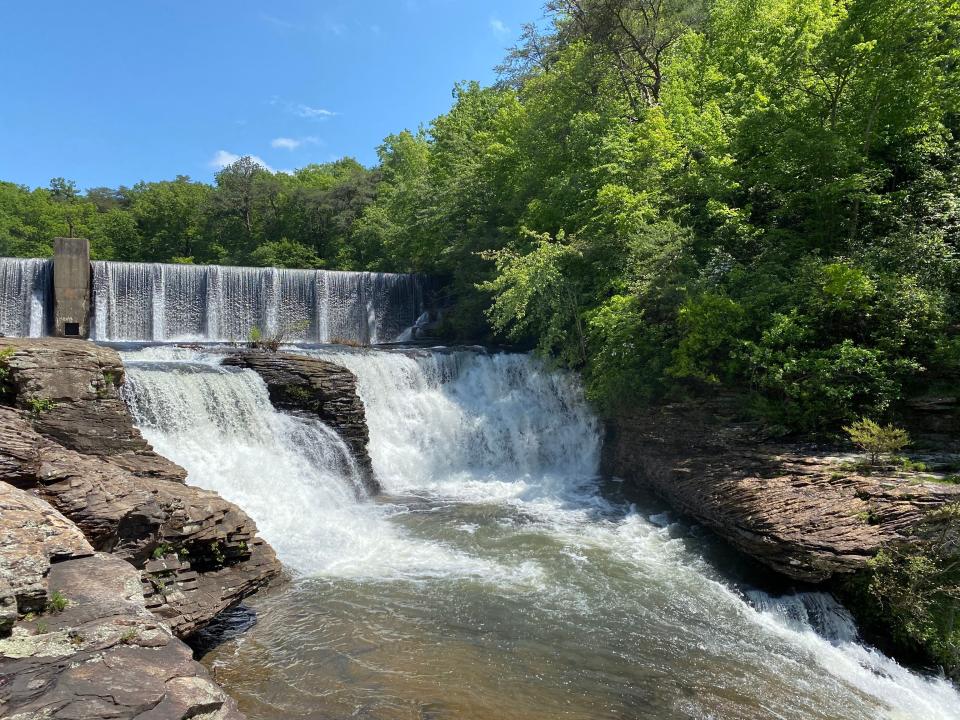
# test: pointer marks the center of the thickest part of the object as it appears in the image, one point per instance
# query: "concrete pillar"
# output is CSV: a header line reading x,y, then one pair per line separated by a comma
x,y
71,287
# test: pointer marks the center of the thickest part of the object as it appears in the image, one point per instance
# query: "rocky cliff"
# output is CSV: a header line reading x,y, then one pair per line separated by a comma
x,y
796,509
84,644
886,540
323,389
91,515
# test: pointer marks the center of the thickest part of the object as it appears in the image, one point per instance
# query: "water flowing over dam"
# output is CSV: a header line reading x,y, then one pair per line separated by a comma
x,y
497,576
156,302
139,301
24,290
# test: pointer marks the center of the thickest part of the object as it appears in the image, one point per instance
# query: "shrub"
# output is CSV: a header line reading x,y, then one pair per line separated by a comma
x,y
877,440
917,585
57,602
40,405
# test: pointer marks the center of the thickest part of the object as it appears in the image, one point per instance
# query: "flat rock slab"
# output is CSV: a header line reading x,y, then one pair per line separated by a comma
x,y
104,656
794,510
32,536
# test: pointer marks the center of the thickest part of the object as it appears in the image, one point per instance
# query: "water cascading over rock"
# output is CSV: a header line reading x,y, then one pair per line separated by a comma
x,y
141,301
491,528
24,296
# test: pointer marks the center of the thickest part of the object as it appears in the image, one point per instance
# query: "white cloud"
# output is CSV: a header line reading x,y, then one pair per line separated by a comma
x,y
499,27
222,158
285,143
277,22
376,29
314,113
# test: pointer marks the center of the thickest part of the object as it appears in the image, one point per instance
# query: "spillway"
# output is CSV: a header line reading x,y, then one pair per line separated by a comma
x,y
24,296
158,302
497,577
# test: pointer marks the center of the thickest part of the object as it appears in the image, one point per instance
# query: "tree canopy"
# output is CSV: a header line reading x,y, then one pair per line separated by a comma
x,y
664,194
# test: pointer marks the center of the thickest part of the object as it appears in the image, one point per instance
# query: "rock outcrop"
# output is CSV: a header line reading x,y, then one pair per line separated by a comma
x,y
316,387
32,536
804,515
70,390
199,553
96,652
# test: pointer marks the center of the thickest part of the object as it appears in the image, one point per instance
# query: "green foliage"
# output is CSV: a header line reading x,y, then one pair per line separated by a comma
x,y
249,216
916,589
216,551
259,340
40,405
535,295
57,602
877,440
710,329
161,550
5,355
721,193
286,253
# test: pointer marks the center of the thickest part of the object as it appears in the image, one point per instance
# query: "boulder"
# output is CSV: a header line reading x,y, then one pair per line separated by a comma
x,y
70,388
32,536
104,655
795,509
318,388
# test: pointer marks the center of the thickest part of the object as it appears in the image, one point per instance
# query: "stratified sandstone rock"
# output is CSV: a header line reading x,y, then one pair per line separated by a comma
x,y
84,456
104,656
70,388
798,513
132,517
320,388
32,535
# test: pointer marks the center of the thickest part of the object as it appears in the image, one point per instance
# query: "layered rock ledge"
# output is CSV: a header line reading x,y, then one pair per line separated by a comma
x,y
312,386
97,652
89,512
801,513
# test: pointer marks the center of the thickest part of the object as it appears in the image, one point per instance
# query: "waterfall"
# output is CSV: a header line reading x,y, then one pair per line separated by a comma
x,y
294,476
24,288
464,421
157,302
494,549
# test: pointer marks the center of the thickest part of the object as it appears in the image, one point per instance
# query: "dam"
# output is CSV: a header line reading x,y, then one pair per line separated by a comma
x,y
156,302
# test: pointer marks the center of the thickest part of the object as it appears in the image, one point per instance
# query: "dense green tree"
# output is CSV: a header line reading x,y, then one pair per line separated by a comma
x,y
666,195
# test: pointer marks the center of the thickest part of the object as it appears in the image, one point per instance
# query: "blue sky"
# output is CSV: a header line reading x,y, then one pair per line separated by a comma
x,y
109,92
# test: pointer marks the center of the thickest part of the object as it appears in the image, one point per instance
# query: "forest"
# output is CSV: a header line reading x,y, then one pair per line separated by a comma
x,y
670,196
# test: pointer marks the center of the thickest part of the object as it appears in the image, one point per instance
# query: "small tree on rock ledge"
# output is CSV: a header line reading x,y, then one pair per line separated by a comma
x,y
877,440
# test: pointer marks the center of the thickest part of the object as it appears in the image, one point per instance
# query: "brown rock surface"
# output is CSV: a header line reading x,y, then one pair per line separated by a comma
x,y
80,381
32,535
104,656
320,388
795,510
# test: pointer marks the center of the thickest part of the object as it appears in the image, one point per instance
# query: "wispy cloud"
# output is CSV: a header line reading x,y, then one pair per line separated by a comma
x,y
499,27
277,22
314,113
337,28
222,158
376,29
286,143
